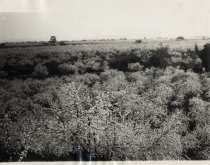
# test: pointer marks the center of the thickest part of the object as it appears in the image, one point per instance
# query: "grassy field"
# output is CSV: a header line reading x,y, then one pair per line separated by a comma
x,y
119,44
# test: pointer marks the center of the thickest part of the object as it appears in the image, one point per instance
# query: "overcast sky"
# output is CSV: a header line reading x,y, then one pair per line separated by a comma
x,y
29,20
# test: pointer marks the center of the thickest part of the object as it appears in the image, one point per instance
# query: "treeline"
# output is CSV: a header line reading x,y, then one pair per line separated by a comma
x,y
30,44
49,64
118,105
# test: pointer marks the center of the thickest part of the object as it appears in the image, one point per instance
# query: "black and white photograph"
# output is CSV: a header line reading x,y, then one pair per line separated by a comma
x,y
104,80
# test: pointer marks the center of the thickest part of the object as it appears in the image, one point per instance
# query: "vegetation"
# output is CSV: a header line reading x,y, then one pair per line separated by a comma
x,y
133,104
180,38
138,41
53,40
205,56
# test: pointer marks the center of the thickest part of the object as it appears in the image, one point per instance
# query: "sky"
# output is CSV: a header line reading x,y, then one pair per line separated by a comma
x,y
37,20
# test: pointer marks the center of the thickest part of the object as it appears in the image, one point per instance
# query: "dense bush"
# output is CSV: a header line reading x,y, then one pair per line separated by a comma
x,y
135,67
114,105
160,58
3,45
67,69
180,38
138,41
62,43
121,60
205,56
40,71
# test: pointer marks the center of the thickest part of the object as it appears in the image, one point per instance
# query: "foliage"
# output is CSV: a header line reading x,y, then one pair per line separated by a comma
x,y
134,67
160,58
204,55
122,59
138,41
53,40
40,71
67,69
180,38
134,104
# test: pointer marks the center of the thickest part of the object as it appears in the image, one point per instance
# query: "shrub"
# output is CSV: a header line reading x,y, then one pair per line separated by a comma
x,y
92,66
52,65
109,74
160,58
138,41
135,67
40,71
62,43
16,66
180,38
115,82
121,60
80,67
44,99
88,79
67,68
3,45
43,56
205,56
44,43
196,49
